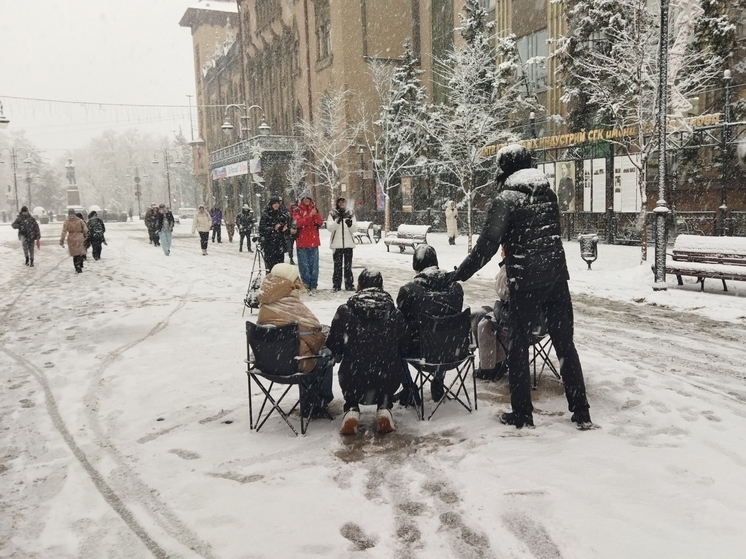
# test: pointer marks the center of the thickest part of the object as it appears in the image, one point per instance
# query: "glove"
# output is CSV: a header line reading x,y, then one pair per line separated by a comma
x,y
348,221
339,220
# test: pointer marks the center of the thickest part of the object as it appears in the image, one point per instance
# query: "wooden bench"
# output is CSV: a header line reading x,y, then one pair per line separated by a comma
x,y
722,258
364,231
407,236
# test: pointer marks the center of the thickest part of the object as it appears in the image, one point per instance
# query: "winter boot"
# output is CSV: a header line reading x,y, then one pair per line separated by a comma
x,y
437,390
519,420
385,421
582,418
204,252
31,263
27,261
350,422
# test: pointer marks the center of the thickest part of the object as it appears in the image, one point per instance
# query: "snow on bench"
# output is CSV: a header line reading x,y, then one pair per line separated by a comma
x,y
722,258
407,236
364,231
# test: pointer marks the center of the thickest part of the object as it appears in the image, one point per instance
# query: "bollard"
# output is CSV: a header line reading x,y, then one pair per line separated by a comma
x,y
588,248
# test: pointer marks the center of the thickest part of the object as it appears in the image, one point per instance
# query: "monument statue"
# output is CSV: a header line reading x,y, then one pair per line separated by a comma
x,y
70,167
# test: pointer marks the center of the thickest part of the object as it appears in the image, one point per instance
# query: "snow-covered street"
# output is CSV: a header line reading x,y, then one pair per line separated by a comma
x,y
125,431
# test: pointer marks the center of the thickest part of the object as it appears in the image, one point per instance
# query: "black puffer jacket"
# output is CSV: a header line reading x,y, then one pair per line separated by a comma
x,y
429,293
273,240
370,335
525,218
27,227
96,229
245,221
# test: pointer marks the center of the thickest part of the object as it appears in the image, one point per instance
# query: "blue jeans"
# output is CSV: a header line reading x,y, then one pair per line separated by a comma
x,y
165,237
308,266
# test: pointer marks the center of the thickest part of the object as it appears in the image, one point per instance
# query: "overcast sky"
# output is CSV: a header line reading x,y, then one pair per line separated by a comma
x,y
105,51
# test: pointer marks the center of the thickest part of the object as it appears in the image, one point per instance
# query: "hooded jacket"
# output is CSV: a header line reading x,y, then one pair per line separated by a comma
x,y
525,218
430,293
75,230
280,304
217,216
245,221
96,229
273,240
370,335
308,225
202,222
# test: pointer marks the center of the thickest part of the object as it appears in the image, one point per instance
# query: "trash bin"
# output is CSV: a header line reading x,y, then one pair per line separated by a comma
x,y
588,248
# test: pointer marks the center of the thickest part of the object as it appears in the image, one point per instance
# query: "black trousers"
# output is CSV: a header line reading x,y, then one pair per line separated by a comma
x,y
96,245
343,261
245,235
526,309
78,263
28,248
272,258
204,237
216,230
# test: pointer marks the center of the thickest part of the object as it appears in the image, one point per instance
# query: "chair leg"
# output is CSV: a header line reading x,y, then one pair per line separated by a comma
x,y
275,406
725,287
251,410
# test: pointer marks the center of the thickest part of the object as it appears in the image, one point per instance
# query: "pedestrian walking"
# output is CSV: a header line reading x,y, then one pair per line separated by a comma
x,y
245,223
164,227
230,222
150,217
342,225
75,231
217,223
28,233
451,221
525,219
308,220
202,223
96,234
273,224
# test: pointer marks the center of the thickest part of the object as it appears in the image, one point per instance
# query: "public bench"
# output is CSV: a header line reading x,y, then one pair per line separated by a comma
x,y
364,231
722,258
407,236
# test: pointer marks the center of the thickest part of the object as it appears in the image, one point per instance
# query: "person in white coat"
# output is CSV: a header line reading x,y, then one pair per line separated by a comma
x,y
203,225
451,221
342,225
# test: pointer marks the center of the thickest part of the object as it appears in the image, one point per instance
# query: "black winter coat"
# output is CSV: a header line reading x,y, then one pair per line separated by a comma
x,y
160,218
370,335
273,240
429,293
525,218
245,221
27,227
96,229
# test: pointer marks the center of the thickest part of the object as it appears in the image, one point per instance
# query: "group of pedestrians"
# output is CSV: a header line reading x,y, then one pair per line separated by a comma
x,y
371,336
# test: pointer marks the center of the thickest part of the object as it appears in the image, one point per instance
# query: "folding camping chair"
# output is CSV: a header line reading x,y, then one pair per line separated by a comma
x,y
445,345
274,351
541,345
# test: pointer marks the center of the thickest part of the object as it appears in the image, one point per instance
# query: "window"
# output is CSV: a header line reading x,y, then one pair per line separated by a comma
x,y
323,31
487,5
532,50
266,12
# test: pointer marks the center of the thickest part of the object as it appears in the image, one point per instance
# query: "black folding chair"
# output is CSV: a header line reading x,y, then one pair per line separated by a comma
x,y
541,345
272,356
445,345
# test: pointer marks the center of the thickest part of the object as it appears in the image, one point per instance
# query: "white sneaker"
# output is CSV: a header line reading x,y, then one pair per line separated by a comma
x,y
349,423
385,421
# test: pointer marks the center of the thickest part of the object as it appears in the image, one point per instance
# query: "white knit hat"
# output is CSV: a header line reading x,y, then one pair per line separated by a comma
x,y
287,271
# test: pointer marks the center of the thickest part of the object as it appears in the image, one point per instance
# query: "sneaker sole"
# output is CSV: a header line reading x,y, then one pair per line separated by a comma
x,y
349,427
385,425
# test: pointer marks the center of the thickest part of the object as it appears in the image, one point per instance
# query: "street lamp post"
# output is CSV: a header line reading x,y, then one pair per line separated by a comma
x,y
135,171
725,141
661,210
14,165
167,155
227,128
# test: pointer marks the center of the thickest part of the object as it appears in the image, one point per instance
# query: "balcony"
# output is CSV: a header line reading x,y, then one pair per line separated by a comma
x,y
237,152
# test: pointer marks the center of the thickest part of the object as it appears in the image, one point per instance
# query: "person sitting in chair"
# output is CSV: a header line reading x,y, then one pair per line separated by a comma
x,y
430,293
369,336
280,304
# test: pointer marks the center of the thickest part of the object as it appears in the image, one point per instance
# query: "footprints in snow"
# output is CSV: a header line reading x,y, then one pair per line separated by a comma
x,y
355,534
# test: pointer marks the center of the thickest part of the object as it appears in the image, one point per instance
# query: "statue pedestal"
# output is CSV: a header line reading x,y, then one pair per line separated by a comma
x,y
73,196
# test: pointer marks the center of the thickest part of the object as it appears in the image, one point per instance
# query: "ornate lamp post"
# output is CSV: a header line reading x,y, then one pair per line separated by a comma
x,y
169,156
661,210
13,152
4,121
725,141
263,128
134,172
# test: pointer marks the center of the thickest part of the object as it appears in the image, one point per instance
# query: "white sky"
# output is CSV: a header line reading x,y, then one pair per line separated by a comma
x,y
105,51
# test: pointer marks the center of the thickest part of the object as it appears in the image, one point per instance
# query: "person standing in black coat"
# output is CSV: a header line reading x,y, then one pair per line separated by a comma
x,y
524,217
96,234
245,224
273,225
369,335
431,292
28,233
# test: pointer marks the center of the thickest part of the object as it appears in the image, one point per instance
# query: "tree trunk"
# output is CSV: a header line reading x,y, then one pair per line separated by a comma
x,y
469,229
386,212
643,214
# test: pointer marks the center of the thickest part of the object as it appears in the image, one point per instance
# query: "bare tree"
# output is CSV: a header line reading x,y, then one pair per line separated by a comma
x,y
296,174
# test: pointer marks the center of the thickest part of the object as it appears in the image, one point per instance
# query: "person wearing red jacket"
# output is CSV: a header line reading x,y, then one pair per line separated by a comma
x,y
308,220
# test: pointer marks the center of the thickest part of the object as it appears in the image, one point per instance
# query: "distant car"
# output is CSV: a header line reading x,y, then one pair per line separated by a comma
x,y
186,213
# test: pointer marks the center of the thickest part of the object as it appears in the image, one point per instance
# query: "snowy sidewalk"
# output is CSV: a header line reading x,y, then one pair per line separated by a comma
x,y
125,428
